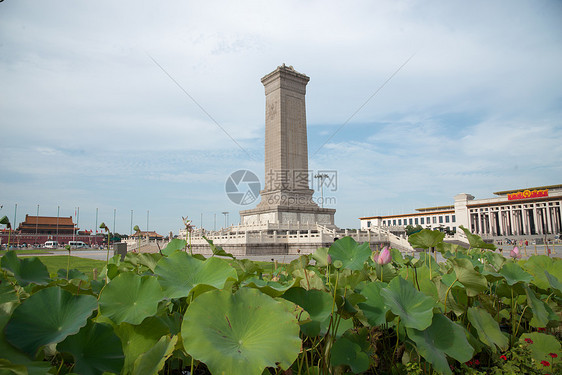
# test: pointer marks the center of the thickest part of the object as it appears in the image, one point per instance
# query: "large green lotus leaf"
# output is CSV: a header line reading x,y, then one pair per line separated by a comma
x,y
346,352
246,268
321,256
420,277
457,299
413,307
271,288
151,362
48,317
490,274
443,337
25,270
487,328
542,313
350,279
241,333
555,284
428,259
72,274
217,250
8,351
495,260
95,349
298,264
31,368
514,274
476,241
138,339
472,280
449,248
9,368
180,272
148,260
542,346
350,253
374,308
7,294
427,285
298,312
308,279
173,246
426,239
315,302
130,298
538,264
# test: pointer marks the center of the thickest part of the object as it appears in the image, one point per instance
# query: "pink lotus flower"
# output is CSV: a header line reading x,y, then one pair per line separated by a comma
x,y
515,254
384,257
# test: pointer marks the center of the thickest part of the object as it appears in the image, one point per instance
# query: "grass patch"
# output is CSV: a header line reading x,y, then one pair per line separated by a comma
x,y
56,262
26,252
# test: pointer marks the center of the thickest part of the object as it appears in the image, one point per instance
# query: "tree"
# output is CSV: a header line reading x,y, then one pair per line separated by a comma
x,y
411,229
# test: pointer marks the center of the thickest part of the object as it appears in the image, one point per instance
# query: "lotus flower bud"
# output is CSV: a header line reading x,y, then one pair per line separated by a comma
x,y
515,254
384,257
329,259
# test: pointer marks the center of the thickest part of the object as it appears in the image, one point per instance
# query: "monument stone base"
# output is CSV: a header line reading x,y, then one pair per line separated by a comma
x,y
289,215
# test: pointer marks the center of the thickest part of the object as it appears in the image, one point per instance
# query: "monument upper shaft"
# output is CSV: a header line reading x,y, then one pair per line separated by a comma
x,y
286,149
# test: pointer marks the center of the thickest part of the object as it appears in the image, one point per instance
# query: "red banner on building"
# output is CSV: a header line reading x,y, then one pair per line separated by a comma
x,y
528,194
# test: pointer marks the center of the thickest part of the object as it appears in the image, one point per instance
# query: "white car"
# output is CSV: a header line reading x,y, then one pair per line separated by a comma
x,y
77,244
51,245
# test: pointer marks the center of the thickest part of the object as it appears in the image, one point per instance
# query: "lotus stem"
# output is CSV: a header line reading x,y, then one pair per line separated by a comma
x,y
512,317
397,340
447,293
429,264
68,265
61,364
521,317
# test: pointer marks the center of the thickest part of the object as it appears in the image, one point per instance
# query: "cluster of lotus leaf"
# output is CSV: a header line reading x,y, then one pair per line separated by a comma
x,y
334,311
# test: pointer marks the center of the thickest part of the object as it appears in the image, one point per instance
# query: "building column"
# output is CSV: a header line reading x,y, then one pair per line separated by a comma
x,y
556,214
479,226
514,218
549,228
536,220
500,218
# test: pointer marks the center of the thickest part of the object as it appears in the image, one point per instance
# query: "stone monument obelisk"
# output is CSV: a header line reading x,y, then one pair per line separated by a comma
x,y
286,197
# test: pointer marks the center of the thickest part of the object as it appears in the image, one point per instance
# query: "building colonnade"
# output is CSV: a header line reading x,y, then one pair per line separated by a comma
x,y
538,218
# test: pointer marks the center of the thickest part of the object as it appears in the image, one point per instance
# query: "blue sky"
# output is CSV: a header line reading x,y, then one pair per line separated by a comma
x,y
89,120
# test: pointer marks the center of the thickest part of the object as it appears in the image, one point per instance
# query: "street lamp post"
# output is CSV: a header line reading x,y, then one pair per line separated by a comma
x,y
225,213
137,230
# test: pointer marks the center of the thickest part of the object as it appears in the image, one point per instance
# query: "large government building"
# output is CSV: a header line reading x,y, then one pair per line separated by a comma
x,y
519,212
